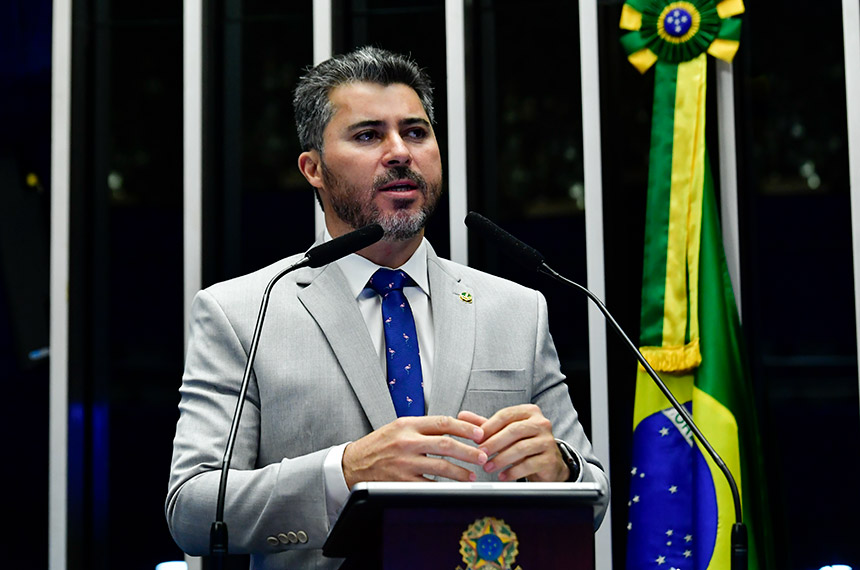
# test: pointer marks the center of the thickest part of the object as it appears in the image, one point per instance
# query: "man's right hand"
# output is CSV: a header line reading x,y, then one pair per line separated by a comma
x,y
399,451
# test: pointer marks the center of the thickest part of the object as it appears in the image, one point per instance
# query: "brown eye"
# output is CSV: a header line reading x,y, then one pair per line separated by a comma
x,y
417,134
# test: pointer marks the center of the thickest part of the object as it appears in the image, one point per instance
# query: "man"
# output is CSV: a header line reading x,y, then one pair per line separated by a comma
x,y
482,397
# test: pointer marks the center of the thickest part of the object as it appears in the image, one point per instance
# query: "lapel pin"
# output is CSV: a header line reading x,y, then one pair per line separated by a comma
x,y
466,297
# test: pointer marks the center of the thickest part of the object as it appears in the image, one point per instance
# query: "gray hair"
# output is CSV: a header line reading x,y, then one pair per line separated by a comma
x,y
368,64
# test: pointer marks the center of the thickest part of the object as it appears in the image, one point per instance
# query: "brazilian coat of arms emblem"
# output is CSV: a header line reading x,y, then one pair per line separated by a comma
x,y
489,544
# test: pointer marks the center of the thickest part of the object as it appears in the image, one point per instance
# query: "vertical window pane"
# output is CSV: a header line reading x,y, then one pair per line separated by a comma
x,y
25,172
126,280
798,279
278,204
257,206
143,277
525,156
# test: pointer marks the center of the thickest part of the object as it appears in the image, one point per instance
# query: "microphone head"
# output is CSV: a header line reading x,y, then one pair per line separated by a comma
x,y
342,246
525,254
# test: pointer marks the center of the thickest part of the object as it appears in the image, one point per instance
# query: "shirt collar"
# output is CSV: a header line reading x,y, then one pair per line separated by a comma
x,y
358,270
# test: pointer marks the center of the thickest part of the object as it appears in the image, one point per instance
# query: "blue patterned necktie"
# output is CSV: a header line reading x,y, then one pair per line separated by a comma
x,y
401,342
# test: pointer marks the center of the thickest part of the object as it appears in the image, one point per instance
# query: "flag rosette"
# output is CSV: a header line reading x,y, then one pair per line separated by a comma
x,y
679,31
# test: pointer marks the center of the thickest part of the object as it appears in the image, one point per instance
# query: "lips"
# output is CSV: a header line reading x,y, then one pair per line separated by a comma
x,y
399,186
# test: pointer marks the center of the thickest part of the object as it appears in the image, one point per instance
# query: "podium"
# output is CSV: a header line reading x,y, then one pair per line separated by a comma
x,y
460,526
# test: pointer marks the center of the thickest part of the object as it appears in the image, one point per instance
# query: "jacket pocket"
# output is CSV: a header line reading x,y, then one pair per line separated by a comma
x,y
491,390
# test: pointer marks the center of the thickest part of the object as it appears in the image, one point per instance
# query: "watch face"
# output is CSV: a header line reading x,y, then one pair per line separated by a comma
x,y
570,459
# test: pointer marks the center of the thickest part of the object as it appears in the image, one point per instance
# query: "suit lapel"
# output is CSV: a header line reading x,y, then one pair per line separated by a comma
x,y
454,330
328,299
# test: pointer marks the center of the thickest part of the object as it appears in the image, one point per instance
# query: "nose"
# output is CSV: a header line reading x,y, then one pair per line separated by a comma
x,y
397,152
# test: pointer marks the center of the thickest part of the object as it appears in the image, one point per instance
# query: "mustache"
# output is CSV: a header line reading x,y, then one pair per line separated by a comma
x,y
400,173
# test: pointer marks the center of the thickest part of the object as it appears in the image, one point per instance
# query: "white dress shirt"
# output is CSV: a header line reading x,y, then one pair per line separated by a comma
x,y
358,271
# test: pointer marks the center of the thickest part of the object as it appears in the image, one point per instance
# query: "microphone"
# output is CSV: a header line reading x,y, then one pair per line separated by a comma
x,y
533,259
525,254
318,256
342,246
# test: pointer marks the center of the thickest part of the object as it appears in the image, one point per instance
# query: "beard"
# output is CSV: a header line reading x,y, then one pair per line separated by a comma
x,y
355,206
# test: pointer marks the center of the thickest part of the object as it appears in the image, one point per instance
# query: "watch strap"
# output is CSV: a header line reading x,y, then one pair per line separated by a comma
x,y
571,459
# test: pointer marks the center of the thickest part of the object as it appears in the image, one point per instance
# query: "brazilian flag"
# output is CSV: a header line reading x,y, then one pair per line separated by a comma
x,y
681,509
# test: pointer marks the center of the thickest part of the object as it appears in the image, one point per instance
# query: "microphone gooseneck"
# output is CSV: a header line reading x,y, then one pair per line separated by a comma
x,y
525,254
533,259
342,246
315,257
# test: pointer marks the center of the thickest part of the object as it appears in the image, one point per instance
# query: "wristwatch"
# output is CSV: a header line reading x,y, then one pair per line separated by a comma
x,y
570,459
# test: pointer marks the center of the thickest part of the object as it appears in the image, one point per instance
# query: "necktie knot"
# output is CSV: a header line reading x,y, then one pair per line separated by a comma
x,y
386,280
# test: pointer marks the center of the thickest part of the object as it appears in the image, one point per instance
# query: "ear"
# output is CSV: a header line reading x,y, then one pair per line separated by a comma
x,y
310,166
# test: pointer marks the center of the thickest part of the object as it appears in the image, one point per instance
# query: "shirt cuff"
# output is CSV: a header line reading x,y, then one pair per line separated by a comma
x,y
336,491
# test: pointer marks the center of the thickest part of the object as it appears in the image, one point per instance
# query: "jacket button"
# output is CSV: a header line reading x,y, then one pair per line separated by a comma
x,y
302,536
273,541
291,536
283,538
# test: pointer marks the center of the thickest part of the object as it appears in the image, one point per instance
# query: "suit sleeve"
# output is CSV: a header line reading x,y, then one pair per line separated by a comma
x,y
552,396
262,501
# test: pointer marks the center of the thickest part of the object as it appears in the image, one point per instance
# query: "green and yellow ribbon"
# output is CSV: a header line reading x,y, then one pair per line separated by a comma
x,y
676,36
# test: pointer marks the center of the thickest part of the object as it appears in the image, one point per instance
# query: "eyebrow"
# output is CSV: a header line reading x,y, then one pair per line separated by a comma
x,y
376,123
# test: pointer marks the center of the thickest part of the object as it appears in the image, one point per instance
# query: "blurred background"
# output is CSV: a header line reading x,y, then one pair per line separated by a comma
x,y
525,170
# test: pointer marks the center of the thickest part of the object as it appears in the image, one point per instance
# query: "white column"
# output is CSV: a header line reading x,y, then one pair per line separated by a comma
x,y
61,95
192,186
322,30
851,35
322,51
192,203
592,168
456,73
729,175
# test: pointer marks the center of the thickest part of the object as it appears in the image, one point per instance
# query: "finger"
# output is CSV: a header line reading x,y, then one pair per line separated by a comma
x,y
440,467
511,455
506,416
451,448
471,417
445,425
401,455
543,467
523,450
516,431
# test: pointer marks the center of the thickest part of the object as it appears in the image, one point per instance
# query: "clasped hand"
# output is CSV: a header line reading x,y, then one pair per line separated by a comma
x,y
516,442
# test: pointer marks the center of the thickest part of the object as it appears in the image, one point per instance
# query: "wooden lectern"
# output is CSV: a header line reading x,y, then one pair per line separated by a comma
x,y
461,526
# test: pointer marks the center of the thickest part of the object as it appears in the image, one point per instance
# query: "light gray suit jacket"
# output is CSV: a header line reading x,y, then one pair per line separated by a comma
x,y
318,382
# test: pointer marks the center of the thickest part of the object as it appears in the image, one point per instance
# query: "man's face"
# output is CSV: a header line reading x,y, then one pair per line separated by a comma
x,y
380,161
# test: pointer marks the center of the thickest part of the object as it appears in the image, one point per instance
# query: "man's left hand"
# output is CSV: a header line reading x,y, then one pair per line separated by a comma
x,y
520,444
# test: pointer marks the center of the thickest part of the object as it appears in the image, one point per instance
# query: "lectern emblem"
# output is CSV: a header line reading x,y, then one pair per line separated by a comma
x,y
489,544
